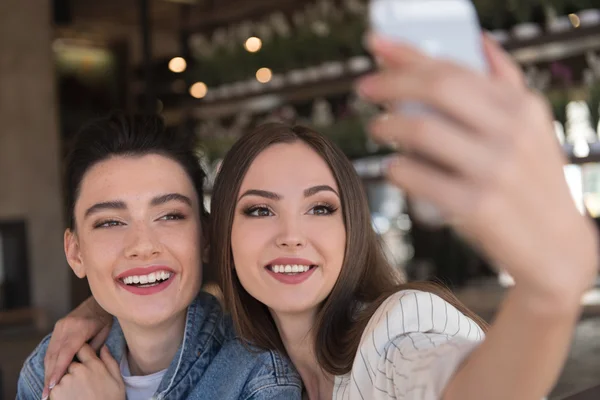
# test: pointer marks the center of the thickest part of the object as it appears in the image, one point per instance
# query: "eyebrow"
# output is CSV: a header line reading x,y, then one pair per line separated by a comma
x,y
274,196
159,200
321,188
120,205
261,193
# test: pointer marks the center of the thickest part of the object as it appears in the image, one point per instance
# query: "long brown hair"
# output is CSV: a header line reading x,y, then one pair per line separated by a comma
x,y
366,278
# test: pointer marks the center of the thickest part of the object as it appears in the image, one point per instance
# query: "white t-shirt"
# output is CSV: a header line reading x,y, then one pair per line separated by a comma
x,y
140,387
410,349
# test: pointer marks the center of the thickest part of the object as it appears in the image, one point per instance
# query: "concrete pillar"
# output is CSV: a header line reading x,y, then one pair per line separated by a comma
x,y
30,186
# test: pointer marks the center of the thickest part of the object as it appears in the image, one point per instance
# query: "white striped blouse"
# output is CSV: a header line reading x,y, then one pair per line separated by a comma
x,y
410,349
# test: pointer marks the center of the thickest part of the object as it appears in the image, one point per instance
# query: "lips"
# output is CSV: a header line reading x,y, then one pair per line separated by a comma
x,y
146,280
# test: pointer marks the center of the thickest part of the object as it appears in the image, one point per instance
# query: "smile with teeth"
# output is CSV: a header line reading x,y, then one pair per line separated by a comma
x,y
290,269
149,280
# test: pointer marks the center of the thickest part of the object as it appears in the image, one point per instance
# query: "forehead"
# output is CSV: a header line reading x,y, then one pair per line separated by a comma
x,y
131,178
288,166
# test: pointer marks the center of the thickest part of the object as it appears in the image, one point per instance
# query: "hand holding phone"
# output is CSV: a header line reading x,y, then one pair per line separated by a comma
x,y
447,29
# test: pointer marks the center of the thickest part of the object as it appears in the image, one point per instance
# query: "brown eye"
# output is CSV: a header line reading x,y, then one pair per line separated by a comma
x,y
258,212
323,209
108,224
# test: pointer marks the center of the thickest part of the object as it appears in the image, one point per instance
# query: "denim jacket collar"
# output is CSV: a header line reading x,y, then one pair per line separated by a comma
x,y
204,322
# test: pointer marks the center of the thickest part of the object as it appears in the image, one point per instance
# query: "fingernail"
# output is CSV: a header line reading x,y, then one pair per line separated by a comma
x,y
363,87
389,163
52,384
373,41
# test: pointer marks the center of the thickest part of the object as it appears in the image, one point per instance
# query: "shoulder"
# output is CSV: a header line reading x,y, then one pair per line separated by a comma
x,y
411,311
414,340
31,377
265,371
273,373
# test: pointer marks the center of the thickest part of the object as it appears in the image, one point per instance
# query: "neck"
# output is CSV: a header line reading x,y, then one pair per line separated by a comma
x,y
151,349
297,335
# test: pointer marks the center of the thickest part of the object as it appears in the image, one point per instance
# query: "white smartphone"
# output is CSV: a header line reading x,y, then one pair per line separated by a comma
x,y
447,29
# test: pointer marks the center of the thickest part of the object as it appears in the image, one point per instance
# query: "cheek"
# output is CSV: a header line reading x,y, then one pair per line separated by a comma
x,y
100,253
185,245
248,241
330,235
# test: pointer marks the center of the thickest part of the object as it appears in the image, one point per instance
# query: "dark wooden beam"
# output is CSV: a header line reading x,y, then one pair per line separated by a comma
x,y
226,12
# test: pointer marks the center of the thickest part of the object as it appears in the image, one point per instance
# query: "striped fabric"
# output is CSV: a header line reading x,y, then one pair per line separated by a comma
x,y
411,347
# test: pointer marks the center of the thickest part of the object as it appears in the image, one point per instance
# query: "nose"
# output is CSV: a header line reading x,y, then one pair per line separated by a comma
x,y
142,243
290,235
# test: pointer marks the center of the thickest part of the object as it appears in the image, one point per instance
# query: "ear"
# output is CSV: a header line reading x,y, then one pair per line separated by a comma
x,y
73,253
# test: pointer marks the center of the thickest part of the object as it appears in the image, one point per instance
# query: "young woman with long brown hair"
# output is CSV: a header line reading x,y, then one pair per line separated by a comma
x,y
302,272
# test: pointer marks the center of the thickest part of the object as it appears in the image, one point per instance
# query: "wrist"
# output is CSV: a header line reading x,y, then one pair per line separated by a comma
x,y
548,303
96,312
574,272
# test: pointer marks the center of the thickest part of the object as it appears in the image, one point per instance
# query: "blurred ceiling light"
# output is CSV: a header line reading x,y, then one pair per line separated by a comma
x,y
198,90
264,75
575,20
177,64
253,44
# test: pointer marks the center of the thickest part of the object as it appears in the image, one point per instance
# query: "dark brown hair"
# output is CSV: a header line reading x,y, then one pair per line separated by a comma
x,y
120,134
366,278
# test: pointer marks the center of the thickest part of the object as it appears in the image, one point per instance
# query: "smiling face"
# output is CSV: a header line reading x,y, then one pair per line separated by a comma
x,y
137,238
288,237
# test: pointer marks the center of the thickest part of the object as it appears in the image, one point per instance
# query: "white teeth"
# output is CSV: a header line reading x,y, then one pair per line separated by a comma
x,y
154,277
289,269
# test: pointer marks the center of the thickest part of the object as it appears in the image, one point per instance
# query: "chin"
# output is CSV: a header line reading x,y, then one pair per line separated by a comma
x,y
291,307
150,318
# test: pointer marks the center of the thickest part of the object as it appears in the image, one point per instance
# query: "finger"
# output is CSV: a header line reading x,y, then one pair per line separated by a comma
x,y
501,64
111,364
100,338
87,355
469,99
54,347
74,367
393,53
437,139
62,360
424,182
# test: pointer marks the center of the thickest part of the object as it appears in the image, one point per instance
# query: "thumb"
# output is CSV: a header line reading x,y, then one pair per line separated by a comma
x,y
111,364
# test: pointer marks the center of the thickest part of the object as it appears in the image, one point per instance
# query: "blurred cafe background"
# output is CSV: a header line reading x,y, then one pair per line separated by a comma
x,y
216,68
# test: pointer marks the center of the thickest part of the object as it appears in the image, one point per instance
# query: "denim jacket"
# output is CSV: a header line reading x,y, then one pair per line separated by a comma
x,y
211,363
